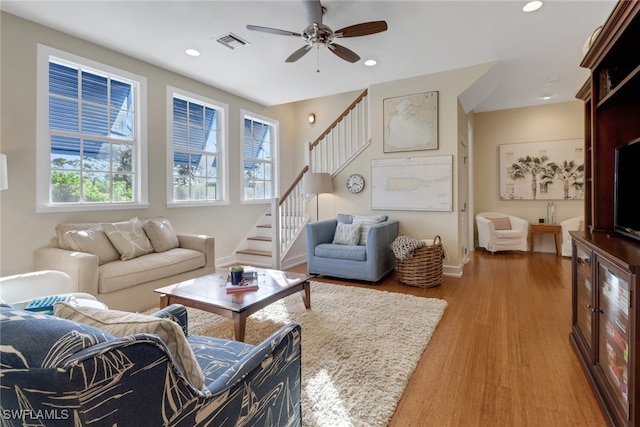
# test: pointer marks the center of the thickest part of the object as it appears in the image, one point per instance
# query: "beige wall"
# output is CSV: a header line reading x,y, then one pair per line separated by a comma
x,y
22,229
553,122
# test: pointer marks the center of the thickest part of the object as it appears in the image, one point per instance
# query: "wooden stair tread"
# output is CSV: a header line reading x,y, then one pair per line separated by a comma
x,y
254,252
261,238
264,226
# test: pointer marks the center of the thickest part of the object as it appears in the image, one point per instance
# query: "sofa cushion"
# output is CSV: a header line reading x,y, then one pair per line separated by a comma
x,y
61,229
352,253
366,221
32,340
129,238
93,241
161,234
122,324
346,234
117,275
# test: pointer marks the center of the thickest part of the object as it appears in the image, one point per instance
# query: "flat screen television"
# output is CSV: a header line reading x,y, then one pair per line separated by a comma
x,y
626,215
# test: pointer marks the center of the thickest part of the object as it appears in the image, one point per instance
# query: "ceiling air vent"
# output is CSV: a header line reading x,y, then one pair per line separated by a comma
x,y
232,41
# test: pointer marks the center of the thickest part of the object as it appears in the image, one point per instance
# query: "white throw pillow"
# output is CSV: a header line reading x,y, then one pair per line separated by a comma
x,y
129,238
366,221
161,234
122,324
346,234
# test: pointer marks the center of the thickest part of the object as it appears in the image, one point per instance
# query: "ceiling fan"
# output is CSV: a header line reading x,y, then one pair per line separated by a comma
x,y
317,34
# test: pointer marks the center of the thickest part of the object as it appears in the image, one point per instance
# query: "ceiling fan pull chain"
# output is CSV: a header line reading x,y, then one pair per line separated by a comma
x,y
317,59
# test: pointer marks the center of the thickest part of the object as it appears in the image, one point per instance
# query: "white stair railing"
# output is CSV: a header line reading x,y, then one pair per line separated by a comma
x,y
331,152
343,140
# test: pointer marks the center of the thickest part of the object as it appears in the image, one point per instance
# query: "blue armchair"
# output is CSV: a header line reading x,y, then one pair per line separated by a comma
x,y
56,372
369,262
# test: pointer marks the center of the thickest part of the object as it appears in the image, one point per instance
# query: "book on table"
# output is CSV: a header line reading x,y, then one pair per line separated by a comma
x,y
242,287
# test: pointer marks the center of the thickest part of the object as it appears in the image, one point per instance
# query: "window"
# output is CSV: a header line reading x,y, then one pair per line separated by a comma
x,y
260,138
197,149
91,148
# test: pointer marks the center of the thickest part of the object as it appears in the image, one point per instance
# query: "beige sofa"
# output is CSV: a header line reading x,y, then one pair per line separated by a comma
x,y
122,263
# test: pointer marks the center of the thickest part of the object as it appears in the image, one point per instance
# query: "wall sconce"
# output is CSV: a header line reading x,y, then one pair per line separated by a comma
x,y
4,181
312,118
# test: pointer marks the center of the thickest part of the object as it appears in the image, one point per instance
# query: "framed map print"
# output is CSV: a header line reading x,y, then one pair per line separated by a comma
x,y
418,184
411,122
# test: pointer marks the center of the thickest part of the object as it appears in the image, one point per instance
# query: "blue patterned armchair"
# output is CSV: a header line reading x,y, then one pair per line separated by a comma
x,y
56,372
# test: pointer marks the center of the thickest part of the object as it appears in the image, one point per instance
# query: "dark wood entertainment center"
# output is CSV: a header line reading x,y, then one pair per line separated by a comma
x,y
606,267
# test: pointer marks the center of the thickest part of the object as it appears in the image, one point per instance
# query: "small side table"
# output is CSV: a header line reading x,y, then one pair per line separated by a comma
x,y
554,229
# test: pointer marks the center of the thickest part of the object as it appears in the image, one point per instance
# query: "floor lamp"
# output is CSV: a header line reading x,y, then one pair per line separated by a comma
x,y
316,183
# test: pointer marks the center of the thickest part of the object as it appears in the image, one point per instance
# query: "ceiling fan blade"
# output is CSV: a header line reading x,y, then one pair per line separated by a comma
x,y
314,11
364,29
344,53
298,54
273,31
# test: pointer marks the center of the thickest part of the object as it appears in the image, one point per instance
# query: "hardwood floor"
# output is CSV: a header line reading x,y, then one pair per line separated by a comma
x,y
501,355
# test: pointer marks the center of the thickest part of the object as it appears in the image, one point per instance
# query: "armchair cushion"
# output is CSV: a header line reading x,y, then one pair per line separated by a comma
x,y
366,221
122,324
348,252
501,223
346,234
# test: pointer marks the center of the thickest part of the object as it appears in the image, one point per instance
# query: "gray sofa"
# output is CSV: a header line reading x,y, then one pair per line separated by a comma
x,y
85,252
369,262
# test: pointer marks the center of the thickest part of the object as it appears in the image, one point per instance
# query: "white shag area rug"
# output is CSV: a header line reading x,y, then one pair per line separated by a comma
x,y
359,348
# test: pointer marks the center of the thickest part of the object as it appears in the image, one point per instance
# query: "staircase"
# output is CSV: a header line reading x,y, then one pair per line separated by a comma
x,y
275,232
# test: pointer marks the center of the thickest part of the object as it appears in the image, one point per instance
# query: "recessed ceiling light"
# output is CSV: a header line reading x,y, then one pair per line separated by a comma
x,y
532,6
546,96
370,62
192,52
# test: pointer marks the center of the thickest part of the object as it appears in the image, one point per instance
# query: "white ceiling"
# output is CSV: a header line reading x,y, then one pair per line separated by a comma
x,y
424,37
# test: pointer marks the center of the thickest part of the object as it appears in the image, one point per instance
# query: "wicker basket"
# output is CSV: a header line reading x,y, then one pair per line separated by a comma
x,y
424,268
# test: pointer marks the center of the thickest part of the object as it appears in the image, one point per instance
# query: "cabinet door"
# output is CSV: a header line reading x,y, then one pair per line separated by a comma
x,y
584,298
614,332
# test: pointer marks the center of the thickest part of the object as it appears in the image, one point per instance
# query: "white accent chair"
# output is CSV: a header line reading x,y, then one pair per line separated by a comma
x,y
571,224
19,289
513,239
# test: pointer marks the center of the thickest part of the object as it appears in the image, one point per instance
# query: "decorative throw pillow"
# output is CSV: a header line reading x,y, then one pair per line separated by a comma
x,y
61,229
129,238
366,221
93,241
161,234
347,219
346,234
501,223
122,324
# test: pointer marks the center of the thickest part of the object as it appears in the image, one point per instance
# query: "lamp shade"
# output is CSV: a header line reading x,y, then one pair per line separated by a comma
x,y
4,180
316,183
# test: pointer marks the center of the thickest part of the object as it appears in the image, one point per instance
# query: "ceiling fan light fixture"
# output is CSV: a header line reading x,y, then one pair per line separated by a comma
x,y
192,52
532,6
370,62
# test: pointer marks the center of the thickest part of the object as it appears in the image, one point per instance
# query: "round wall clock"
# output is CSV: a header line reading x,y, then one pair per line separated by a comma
x,y
355,183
